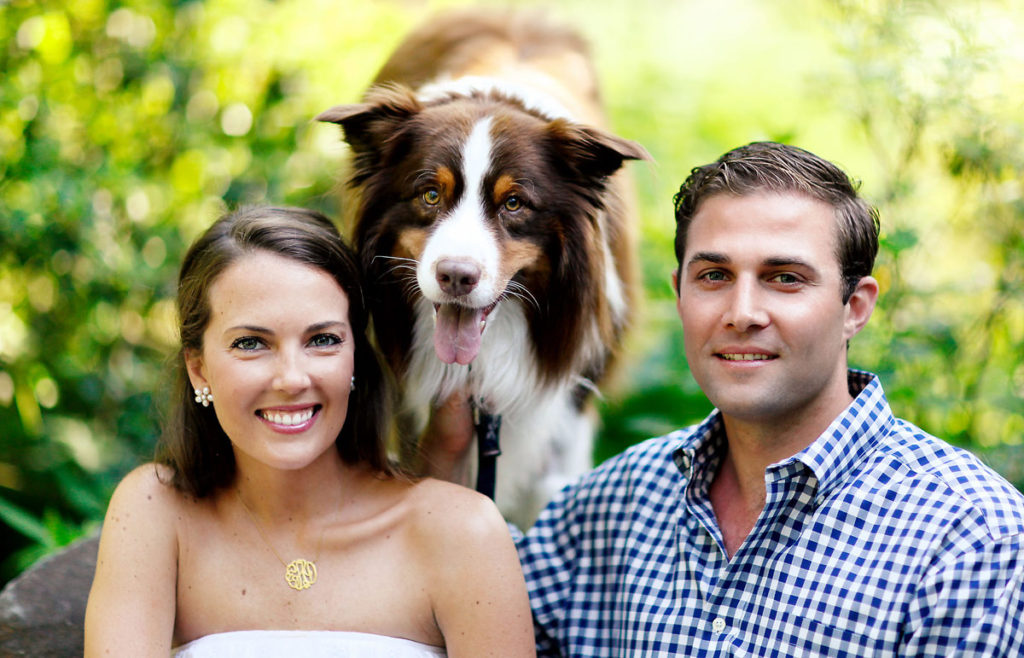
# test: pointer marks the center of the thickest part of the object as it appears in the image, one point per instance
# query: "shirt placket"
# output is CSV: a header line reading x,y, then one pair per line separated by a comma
x,y
703,563
726,609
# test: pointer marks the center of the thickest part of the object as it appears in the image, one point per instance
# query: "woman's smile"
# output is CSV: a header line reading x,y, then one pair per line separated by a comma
x,y
289,420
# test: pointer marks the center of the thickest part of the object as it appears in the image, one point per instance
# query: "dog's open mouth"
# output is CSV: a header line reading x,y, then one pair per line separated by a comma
x,y
458,330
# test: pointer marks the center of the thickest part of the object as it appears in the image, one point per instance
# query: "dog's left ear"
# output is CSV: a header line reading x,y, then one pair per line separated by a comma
x,y
593,152
367,125
357,114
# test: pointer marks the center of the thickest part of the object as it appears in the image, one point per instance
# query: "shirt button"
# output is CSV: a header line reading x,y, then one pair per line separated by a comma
x,y
718,625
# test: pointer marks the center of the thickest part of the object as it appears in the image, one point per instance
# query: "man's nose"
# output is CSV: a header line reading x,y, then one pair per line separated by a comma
x,y
746,309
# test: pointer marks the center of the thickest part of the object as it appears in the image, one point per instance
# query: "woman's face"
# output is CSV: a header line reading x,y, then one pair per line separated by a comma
x,y
278,357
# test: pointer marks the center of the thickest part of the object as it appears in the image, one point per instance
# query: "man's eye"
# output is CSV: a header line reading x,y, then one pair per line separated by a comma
x,y
714,275
247,343
513,203
786,278
431,196
325,340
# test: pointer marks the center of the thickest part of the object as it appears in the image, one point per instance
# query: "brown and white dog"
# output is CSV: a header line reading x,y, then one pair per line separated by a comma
x,y
497,241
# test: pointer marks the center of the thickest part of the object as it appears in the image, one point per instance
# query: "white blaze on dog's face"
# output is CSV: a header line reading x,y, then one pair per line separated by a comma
x,y
458,270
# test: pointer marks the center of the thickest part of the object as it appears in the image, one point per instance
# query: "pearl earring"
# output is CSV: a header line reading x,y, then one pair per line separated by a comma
x,y
352,386
204,396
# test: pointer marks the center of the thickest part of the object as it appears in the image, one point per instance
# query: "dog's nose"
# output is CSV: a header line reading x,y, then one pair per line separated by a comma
x,y
457,277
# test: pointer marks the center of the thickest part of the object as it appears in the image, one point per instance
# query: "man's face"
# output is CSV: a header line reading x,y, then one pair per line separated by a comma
x,y
764,325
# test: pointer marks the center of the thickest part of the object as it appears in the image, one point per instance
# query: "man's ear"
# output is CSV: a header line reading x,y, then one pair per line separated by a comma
x,y
860,306
676,291
194,367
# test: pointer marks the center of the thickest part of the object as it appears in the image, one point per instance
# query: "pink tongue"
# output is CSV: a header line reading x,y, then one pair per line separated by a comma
x,y
457,333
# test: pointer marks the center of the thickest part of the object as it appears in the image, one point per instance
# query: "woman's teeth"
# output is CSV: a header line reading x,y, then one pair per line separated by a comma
x,y
281,418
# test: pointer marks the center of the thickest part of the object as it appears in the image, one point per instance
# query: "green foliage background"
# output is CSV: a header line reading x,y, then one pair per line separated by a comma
x,y
127,127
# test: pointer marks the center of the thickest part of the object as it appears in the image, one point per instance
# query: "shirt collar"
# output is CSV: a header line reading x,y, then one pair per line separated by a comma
x,y
701,445
850,437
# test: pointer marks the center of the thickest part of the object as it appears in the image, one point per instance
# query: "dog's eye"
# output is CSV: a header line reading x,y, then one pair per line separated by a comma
x,y
513,204
431,197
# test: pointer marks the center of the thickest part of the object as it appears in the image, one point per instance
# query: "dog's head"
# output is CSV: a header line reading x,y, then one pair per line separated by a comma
x,y
473,200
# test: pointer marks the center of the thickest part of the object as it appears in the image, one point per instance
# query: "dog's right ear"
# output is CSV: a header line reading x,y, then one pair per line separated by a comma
x,y
368,124
593,153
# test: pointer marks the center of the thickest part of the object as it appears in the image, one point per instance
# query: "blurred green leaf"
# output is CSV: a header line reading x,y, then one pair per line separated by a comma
x,y
25,523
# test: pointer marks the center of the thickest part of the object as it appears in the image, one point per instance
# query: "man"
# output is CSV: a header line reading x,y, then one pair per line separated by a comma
x,y
800,518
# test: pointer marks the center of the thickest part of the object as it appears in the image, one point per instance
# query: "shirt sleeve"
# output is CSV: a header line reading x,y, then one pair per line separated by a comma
x,y
573,555
971,604
548,555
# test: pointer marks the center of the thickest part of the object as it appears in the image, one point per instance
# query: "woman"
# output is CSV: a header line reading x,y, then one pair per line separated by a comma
x,y
274,524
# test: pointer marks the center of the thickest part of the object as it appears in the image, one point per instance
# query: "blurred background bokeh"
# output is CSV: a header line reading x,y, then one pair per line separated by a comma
x,y
127,127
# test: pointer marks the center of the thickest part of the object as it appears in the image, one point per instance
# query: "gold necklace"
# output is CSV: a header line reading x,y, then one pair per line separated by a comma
x,y
300,573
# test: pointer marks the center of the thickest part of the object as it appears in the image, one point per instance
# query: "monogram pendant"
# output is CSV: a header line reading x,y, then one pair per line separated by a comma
x,y
300,574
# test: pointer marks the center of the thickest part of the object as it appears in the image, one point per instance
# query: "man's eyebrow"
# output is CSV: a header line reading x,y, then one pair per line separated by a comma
x,y
789,261
772,261
708,257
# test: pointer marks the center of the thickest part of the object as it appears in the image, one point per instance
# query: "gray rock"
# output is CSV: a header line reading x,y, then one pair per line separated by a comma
x,y
42,611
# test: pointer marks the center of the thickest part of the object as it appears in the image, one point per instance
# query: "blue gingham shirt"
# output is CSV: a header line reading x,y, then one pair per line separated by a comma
x,y
876,540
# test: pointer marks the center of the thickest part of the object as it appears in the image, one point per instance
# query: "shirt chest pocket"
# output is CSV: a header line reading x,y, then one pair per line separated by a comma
x,y
815,634
814,638
808,640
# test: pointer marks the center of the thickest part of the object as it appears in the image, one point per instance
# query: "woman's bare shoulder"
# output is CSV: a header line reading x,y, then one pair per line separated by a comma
x,y
450,516
147,489
134,585
468,561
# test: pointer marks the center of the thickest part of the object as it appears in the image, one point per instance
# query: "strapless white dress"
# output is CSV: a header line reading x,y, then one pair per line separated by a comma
x,y
304,644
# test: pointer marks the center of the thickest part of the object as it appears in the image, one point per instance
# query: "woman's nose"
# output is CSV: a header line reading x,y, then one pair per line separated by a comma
x,y
291,375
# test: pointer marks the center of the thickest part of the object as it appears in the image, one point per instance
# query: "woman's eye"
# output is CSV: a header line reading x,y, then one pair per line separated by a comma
x,y
513,203
247,343
325,340
431,197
